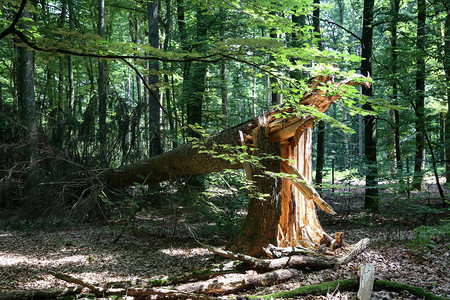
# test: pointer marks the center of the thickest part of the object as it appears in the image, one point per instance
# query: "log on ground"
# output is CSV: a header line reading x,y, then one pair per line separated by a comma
x,y
350,285
315,262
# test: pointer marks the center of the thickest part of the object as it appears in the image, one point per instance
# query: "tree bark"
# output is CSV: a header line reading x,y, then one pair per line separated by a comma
x,y
350,285
370,122
320,157
184,161
101,83
154,109
231,283
71,109
195,85
420,96
224,92
299,262
447,79
57,134
395,6
1,99
260,226
27,108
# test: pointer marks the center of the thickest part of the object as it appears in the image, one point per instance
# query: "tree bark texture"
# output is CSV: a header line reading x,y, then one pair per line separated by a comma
x,y
154,110
370,123
420,96
27,108
320,158
101,82
299,262
447,78
395,7
195,85
184,161
264,209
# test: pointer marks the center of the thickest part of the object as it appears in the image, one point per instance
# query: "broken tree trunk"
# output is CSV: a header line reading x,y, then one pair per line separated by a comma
x,y
282,210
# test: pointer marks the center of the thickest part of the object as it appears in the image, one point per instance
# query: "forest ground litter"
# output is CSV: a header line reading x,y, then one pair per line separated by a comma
x,y
86,251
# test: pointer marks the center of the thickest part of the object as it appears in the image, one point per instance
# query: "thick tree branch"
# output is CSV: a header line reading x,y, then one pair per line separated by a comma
x,y
12,26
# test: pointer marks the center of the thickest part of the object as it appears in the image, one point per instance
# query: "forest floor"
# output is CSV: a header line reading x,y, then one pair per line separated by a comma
x,y
92,252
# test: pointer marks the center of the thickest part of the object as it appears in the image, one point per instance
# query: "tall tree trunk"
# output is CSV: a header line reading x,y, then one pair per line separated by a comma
x,y
275,96
395,6
181,23
135,130
447,79
224,92
195,87
320,160
27,109
420,96
14,74
154,109
1,98
71,101
170,100
101,82
370,122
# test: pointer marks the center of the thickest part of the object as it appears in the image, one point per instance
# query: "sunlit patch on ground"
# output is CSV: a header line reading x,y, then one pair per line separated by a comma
x,y
89,253
186,252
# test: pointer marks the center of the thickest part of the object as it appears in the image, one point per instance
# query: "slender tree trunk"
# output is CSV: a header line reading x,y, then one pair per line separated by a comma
x,y
154,109
1,99
447,79
320,160
370,123
71,101
135,130
181,22
14,74
224,92
395,6
275,96
254,96
170,100
420,96
101,82
442,137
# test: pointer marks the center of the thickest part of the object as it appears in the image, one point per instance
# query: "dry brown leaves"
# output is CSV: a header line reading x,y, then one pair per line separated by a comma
x,y
86,252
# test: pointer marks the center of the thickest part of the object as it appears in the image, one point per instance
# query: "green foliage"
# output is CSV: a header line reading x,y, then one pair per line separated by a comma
x,y
424,236
238,33
224,200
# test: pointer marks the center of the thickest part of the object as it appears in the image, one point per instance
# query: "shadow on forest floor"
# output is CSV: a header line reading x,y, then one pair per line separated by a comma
x,y
164,245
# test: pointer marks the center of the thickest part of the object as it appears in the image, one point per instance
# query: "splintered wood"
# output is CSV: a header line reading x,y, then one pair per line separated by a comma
x,y
298,223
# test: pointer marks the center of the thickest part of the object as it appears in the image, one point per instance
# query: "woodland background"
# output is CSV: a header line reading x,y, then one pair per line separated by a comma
x,y
89,86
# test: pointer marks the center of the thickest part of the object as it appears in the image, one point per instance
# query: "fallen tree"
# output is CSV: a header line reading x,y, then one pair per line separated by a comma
x,y
283,212
241,282
238,282
351,285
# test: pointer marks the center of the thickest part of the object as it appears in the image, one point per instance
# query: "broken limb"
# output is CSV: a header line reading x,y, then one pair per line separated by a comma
x,y
295,261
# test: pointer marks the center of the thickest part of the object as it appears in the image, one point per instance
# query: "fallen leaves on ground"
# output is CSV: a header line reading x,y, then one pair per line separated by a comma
x,y
86,251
